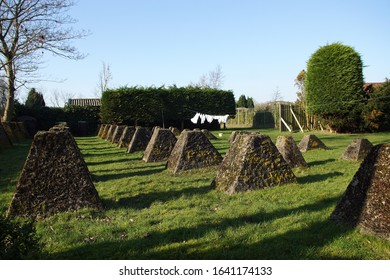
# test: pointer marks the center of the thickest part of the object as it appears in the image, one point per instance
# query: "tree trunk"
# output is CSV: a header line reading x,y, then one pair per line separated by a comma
x,y
9,106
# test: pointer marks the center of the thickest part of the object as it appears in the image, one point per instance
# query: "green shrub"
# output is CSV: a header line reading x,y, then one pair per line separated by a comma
x,y
17,239
35,100
334,86
377,110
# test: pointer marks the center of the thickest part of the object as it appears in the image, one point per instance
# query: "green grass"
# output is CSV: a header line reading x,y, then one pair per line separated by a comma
x,y
151,214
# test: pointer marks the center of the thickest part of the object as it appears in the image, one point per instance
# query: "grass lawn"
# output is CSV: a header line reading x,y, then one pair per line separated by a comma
x,y
151,214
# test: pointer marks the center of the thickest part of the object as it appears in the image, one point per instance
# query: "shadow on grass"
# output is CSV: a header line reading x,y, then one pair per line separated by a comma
x,y
321,162
116,176
304,243
318,177
113,161
144,200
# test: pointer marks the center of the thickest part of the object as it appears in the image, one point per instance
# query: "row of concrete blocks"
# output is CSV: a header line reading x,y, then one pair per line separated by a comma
x,y
12,132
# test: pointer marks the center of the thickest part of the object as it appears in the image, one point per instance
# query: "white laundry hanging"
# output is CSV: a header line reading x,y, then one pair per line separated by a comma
x,y
195,118
202,118
209,118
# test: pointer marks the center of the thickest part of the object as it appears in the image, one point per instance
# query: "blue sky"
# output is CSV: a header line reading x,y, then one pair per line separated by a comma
x,y
261,46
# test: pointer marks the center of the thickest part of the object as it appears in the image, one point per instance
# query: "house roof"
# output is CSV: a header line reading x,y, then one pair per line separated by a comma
x,y
85,102
369,87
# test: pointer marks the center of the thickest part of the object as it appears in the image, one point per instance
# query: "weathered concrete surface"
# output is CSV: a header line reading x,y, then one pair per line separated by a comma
x,y
126,136
357,150
110,132
175,130
366,201
208,134
101,129
290,151
5,141
160,145
252,162
235,134
140,139
310,142
105,131
54,178
117,134
192,150
16,131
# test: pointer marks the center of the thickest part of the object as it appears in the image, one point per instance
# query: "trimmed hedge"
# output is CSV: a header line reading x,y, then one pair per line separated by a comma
x,y
334,86
151,105
377,110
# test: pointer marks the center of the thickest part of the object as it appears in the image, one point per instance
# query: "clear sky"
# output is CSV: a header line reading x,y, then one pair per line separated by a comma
x,y
261,46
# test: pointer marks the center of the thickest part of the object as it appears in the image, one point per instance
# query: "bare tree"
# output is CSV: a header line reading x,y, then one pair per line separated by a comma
x,y
3,96
299,82
60,98
28,28
214,79
277,95
105,76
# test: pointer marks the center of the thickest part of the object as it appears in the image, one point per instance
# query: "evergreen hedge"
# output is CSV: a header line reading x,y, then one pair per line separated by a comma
x,y
152,105
377,110
334,86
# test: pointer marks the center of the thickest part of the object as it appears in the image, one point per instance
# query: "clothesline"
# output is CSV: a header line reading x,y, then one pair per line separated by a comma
x,y
209,118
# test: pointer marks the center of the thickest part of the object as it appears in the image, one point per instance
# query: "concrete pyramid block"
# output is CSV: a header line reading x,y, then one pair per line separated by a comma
x,y
366,201
140,139
117,134
290,151
110,132
54,178
105,131
126,136
175,130
5,141
192,150
160,145
235,133
310,142
357,150
208,134
13,131
252,162
101,129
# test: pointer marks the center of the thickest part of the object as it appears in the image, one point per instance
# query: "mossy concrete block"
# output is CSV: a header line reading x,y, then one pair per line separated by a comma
x,y
14,131
357,150
175,130
208,134
366,202
105,131
117,134
160,145
252,162
140,139
193,150
310,142
290,151
127,135
23,128
110,132
5,141
54,178
101,129
234,135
